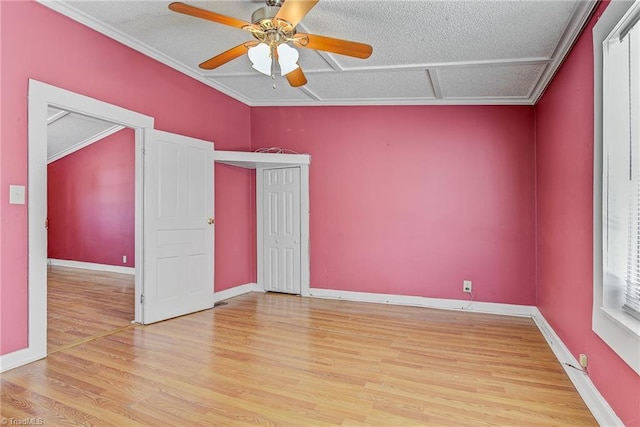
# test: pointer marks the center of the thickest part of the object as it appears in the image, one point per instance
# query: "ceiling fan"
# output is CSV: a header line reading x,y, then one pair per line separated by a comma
x,y
274,28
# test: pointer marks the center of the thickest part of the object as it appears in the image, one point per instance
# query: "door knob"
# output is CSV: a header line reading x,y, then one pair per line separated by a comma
x,y
211,221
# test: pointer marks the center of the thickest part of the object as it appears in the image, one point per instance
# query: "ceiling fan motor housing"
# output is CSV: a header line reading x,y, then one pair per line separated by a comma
x,y
264,13
278,28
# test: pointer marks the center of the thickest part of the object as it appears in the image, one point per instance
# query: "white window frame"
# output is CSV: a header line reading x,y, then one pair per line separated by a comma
x,y
618,329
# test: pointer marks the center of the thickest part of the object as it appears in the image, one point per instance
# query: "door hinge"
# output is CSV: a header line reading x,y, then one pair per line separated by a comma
x,y
141,299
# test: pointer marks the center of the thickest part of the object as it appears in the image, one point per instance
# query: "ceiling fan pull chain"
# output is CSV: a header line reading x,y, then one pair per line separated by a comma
x,y
273,65
273,73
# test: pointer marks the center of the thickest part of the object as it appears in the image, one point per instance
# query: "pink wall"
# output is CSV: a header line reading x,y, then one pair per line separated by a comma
x,y
564,153
413,200
91,203
89,63
404,200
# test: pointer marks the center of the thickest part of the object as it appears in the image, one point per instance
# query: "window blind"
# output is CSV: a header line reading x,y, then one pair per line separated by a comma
x,y
632,289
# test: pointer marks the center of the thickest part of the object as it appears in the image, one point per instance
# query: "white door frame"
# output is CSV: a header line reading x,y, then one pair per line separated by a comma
x,y
260,161
42,95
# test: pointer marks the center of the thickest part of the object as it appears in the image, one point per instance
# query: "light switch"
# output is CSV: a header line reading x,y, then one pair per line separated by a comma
x,y
16,194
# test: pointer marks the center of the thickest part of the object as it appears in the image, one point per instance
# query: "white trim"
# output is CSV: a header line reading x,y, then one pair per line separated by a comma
x,y
599,407
565,44
57,116
22,357
95,138
620,338
42,95
92,266
305,249
67,9
579,17
260,161
259,228
18,358
504,100
252,160
417,301
235,291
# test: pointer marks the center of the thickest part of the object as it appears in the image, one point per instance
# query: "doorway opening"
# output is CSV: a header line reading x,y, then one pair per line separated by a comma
x,y
41,97
90,228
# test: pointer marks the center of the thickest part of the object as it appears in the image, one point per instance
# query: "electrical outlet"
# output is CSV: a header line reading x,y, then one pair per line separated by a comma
x,y
583,361
466,286
124,259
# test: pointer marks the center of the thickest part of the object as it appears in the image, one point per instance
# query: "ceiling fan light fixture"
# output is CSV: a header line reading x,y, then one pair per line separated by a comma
x,y
288,59
260,57
274,29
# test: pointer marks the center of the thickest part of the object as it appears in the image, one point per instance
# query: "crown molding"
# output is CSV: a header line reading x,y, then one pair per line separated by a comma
x,y
580,17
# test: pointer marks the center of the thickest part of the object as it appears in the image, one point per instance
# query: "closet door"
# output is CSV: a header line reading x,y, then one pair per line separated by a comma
x,y
281,216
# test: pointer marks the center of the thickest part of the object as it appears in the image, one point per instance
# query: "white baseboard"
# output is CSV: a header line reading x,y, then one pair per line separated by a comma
x,y
599,407
445,304
92,266
27,355
18,358
235,291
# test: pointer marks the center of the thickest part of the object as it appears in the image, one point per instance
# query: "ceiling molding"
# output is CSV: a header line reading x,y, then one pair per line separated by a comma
x,y
583,12
57,116
95,138
435,84
403,101
111,32
457,64
322,92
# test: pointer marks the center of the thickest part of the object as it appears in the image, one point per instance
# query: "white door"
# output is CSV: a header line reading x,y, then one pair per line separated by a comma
x,y
281,230
178,226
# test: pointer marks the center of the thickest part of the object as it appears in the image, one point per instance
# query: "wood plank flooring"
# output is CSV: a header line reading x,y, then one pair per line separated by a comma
x,y
82,304
275,359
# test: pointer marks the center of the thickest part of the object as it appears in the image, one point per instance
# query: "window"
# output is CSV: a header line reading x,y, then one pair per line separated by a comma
x,y
616,309
621,169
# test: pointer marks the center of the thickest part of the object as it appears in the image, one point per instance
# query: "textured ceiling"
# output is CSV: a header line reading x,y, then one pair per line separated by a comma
x,y
424,52
68,132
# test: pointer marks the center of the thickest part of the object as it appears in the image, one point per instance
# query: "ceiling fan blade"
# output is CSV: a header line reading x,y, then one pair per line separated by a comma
x,y
227,56
294,10
296,78
208,15
329,44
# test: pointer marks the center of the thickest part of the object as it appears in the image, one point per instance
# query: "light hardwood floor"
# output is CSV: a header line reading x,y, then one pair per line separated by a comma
x,y
269,359
82,304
